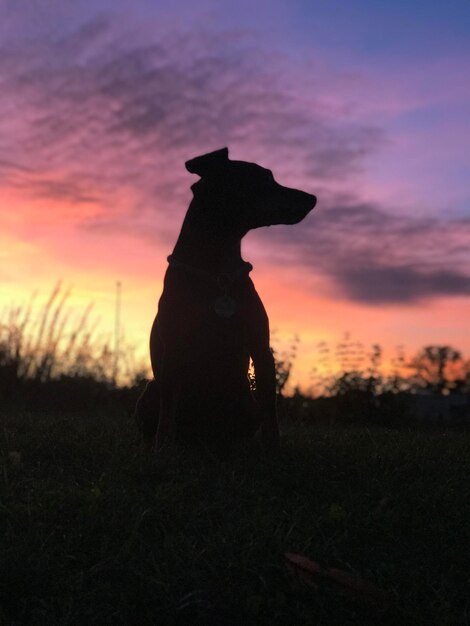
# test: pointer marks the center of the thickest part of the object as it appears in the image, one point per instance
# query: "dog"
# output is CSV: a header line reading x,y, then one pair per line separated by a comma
x,y
210,319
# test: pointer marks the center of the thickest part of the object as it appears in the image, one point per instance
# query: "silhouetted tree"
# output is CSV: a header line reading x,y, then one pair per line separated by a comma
x,y
433,367
283,362
397,382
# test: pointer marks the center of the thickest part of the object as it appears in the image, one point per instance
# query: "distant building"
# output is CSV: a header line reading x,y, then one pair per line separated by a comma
x,y
439,409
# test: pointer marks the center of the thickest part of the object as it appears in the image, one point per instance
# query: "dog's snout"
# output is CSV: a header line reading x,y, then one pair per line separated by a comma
x,y
307,201
293,205
311,200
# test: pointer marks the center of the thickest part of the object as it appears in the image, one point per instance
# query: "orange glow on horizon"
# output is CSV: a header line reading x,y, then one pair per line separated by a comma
x,y
43,242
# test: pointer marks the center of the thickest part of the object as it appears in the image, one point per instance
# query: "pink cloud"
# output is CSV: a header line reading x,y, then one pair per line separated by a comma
x,y
97,125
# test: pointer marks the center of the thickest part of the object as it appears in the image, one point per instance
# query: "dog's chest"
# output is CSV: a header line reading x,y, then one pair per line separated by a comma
x,y
225,306
198,302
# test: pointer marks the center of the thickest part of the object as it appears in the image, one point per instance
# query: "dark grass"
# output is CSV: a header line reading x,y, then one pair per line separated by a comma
x,y
93,533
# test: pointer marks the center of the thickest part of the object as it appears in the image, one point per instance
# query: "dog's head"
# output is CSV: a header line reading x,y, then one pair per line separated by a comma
x,y
245,195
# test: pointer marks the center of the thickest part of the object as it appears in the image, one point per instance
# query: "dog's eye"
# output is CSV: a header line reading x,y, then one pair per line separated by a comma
x,y
263,182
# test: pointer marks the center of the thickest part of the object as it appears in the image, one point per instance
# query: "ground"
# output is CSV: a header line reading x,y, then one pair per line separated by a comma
x,y
95,533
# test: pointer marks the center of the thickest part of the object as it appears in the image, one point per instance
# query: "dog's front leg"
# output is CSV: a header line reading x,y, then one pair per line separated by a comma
x,y
265,376
257,329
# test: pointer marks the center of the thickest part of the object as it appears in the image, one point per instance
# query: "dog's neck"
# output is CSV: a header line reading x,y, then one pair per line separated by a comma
x,y
222,259
204,250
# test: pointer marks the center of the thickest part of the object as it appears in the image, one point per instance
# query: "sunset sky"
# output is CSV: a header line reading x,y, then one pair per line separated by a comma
x,y
364,103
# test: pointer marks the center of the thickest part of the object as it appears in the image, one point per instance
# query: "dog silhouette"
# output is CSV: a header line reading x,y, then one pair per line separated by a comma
x,y
210,319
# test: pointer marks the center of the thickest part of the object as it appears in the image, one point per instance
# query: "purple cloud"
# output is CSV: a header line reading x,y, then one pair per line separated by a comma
x,y
104,109
375,257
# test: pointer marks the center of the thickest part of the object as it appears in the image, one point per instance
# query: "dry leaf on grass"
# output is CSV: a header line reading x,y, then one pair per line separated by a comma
x,y
313,573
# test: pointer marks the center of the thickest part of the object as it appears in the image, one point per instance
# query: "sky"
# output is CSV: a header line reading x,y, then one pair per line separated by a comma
x,y
364,104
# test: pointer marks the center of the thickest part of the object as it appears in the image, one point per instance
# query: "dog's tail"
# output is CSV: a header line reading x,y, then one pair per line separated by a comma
x,y
147,410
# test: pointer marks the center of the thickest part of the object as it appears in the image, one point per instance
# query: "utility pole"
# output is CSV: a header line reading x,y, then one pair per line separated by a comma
x,y
117,331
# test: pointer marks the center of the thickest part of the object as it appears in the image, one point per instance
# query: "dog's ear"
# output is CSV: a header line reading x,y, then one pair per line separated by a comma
x,y
208,163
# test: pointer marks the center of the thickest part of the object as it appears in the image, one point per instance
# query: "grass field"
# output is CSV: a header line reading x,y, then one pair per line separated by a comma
x,y
94,533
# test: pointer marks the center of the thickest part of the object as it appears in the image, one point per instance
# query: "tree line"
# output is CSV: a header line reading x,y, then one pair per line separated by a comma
x,y
47,354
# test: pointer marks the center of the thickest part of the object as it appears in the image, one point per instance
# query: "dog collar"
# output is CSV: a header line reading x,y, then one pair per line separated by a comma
x,y
220,278
225,306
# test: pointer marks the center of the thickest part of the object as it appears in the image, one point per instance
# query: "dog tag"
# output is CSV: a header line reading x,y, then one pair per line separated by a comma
x,y
225,306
